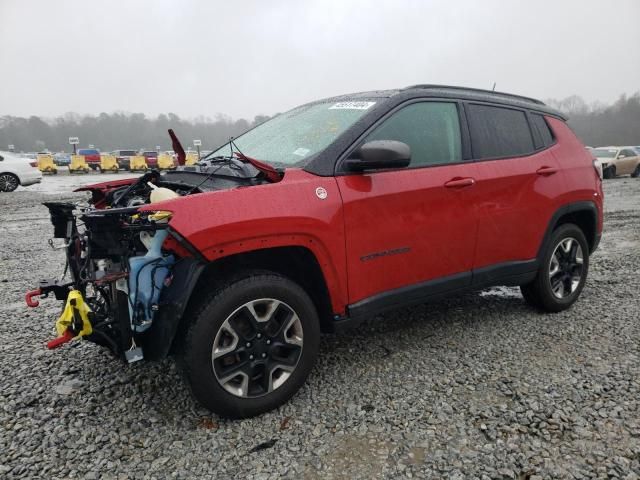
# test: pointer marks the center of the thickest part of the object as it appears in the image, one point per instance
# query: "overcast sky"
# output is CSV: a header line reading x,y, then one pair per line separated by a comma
x,y
243,58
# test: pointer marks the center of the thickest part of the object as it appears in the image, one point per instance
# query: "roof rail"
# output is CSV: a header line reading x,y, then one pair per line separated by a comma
x,y
479,90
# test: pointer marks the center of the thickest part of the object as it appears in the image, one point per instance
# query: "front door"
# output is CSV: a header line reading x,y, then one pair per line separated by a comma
x,y
408,228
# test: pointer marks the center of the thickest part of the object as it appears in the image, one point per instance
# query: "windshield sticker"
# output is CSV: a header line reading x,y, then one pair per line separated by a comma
x,y
303,152
352,105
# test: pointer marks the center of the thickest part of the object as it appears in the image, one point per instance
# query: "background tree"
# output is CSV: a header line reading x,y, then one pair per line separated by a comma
x,y
118,130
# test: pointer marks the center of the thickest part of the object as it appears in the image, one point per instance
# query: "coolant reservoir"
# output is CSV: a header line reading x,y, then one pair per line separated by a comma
x,y
158,194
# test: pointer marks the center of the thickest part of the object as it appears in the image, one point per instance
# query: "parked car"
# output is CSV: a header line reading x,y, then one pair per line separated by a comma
x,y
62,159
124,157
385,199
14,171
91,156
616,161
151,157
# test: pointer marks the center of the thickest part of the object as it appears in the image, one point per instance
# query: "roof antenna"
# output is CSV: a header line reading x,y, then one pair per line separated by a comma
x,y
494,87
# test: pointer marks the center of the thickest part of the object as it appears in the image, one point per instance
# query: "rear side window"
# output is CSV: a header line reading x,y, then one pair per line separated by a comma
x,y
431,129
498,132
541,132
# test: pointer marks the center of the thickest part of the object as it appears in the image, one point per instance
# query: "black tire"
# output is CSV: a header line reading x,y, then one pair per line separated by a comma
x,y
636,172
609,172
8,182
227,307
539,293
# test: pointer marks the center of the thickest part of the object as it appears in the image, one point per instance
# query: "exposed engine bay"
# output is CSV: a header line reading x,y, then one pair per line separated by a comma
x,y
125,268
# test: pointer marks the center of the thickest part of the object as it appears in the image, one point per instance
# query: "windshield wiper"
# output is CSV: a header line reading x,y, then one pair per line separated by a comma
x,y
267,170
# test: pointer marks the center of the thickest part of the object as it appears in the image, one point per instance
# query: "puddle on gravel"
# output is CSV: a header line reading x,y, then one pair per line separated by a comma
x,y
503,292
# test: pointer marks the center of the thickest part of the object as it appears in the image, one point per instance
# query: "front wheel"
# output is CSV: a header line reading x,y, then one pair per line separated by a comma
x,y
252,345
562,272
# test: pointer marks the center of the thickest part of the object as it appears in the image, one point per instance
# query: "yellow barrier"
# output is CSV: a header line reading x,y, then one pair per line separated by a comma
x,y
109,163
46,164
165,162
192,158
78,164
138,164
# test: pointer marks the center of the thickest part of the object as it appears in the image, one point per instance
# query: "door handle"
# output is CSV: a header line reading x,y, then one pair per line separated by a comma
x,y
546,171
459,182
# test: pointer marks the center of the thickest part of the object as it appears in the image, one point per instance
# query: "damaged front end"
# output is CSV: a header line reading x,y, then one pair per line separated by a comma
x,y
121,266
129,275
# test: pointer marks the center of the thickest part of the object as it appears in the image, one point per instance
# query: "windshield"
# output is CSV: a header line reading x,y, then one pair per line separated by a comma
x,y
604,153
291,138
125,153
85,151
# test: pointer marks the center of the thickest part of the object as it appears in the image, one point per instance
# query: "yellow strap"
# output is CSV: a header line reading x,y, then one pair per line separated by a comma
x,y
66,319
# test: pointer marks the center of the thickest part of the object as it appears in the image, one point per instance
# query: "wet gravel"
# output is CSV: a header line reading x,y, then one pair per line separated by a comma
x,y
478,386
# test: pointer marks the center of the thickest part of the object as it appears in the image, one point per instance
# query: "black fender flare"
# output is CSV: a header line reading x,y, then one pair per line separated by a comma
x,y
157,341
582,206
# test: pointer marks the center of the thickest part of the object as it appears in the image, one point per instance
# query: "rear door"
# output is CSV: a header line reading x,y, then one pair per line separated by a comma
x,y
518,183
410,226
627,161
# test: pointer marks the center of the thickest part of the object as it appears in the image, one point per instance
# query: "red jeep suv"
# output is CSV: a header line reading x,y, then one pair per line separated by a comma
x,y
323,216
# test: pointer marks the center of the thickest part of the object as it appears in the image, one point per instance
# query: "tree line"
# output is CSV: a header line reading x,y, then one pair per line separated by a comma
x,y
599,124
117,131
596,124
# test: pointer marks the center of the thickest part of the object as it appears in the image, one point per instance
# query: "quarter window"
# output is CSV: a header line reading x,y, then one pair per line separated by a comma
x,y
498,132
431,129
542,133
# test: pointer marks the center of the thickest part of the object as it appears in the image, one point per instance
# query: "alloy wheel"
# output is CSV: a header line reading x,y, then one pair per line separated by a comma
x,y
257,348
8,182
566,267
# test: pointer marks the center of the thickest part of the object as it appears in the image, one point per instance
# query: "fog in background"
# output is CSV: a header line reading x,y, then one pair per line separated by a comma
x,y
215,63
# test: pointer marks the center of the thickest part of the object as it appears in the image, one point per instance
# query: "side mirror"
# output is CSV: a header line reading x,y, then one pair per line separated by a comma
x,y
379,154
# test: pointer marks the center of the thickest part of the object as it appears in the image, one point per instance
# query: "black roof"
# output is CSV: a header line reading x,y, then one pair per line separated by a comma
x,y
450,91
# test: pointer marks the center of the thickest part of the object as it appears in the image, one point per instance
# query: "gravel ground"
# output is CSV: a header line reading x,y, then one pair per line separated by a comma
x,y
478,386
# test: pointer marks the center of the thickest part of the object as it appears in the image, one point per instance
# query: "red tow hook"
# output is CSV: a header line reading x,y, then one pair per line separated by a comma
x,y
67,336
29,298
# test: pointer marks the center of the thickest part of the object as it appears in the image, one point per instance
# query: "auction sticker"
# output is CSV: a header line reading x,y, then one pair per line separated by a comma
x,y
352,105
302,152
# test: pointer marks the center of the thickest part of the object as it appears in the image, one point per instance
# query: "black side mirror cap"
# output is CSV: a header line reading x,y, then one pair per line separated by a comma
x,y
379,154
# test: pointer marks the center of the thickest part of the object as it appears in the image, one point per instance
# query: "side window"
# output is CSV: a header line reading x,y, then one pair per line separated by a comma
x,y
498,132
542,133
628,153
431,129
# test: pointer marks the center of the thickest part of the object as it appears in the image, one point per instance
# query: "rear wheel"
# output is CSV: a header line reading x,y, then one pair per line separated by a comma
x,y
562,272
8,182
636,172
609,172
252,345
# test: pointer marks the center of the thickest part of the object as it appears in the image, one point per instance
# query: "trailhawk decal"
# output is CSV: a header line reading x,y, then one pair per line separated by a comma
x,y
385,253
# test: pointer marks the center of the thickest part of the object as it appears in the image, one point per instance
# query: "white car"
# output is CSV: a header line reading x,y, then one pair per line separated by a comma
x,y
15,171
